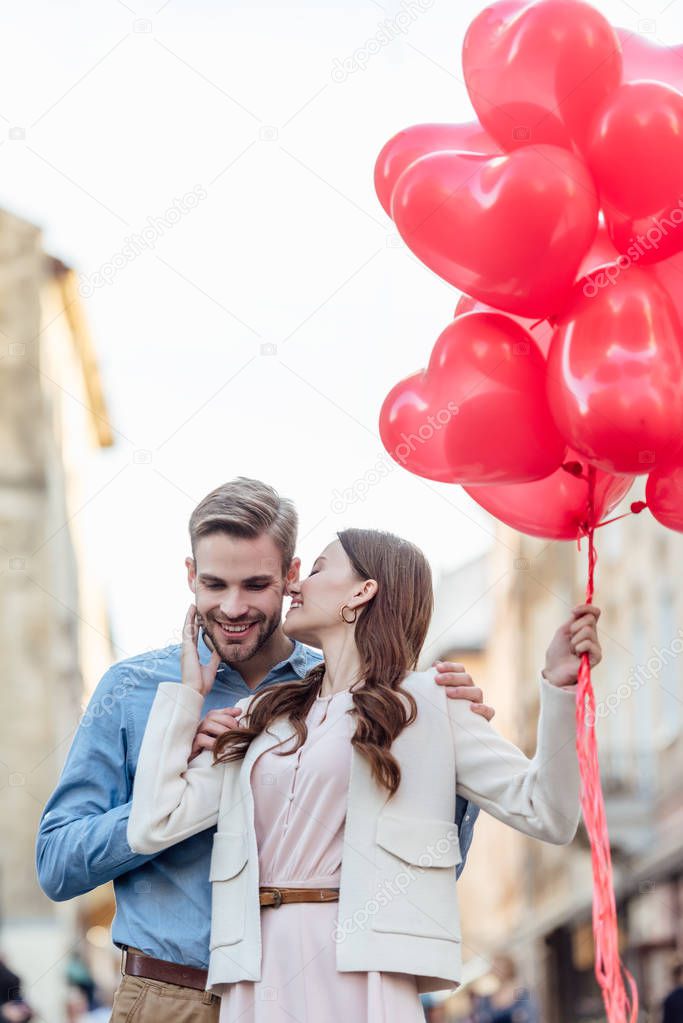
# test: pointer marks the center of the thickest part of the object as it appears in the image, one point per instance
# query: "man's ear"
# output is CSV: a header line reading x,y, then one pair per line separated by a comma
x,y
293,573
191,566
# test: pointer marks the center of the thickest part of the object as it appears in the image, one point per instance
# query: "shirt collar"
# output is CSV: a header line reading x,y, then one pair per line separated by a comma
x,y
298,660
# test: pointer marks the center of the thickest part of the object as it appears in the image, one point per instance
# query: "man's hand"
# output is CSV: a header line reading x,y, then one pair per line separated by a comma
x,y
215,724
578,635
460,686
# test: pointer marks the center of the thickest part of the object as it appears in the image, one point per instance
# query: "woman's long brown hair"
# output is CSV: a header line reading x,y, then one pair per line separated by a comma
x,y
390,632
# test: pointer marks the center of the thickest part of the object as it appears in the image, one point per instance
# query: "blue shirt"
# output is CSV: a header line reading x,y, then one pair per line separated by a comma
x,y
523,1009
163,901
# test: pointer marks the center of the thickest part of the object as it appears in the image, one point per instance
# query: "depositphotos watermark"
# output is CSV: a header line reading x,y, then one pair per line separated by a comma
x,y
408,443
638,676
387,30
647,242
361,487
391,888
142,241
119,680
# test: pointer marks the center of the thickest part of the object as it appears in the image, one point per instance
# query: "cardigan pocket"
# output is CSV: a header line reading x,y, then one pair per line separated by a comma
x,y
228,878
414,893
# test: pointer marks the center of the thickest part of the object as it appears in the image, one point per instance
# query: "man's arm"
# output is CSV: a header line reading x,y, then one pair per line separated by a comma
x,y
81,839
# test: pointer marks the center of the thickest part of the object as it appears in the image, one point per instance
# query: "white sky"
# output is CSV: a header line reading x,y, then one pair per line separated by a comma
x,y
126,107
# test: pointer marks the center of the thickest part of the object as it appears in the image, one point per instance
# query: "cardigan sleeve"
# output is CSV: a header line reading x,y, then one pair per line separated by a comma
x,y
172,799
538,796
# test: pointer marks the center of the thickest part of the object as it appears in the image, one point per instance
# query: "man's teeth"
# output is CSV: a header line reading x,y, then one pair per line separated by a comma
x,y
236,628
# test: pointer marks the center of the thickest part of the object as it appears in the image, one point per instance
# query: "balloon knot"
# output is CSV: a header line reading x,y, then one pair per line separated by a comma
x,y
573,468
638,506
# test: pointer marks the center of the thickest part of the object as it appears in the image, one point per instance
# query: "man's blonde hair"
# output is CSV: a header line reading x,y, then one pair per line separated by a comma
x,y
247,508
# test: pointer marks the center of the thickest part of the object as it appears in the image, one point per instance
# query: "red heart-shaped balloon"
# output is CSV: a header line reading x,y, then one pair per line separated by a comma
x,y
556,507
535,72
615,368
635,152
509,230
540,330
645,59
601,251
479,413
664,496
669,273
419,140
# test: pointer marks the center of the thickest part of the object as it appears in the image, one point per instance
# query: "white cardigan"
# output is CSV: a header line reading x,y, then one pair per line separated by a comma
x,y
398,908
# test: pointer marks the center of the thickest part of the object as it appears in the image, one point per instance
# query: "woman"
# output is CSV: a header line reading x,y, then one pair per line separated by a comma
x,y
339,790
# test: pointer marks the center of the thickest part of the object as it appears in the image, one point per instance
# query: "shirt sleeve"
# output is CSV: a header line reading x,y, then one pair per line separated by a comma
x,y
81,841
538,796
172,799
466,814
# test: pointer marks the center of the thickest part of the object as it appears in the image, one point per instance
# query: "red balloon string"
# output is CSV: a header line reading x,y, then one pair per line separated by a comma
x,y
636,508
620,1006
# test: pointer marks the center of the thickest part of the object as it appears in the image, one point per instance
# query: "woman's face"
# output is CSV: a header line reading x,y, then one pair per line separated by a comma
x,y
317,599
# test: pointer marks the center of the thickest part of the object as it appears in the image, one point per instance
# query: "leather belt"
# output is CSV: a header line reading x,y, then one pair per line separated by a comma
x,y
136,964
270,896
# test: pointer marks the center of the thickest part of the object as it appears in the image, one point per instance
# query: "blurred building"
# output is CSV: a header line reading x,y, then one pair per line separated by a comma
x,y
54,630
534,900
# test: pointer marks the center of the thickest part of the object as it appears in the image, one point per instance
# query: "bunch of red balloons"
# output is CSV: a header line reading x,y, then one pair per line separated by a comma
x,y
559,215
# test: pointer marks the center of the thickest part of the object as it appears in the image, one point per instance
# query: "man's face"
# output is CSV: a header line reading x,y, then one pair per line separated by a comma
x,y
239,587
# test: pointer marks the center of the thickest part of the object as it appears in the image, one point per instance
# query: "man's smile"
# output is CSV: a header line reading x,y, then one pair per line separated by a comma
x,y
233,631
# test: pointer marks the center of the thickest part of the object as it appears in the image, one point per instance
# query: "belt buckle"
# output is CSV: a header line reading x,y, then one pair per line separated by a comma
x,y
124,959
277,895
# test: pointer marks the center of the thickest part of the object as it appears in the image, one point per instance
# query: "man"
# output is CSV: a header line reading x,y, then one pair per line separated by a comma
x,y
243,537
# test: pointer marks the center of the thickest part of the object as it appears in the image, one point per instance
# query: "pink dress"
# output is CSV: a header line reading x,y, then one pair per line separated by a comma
x,y
299,814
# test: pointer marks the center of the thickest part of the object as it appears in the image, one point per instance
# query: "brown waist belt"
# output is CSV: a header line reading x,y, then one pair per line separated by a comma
x,y
137,964
269,896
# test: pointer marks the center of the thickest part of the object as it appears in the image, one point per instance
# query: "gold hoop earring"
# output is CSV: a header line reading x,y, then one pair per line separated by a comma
x,y
349,621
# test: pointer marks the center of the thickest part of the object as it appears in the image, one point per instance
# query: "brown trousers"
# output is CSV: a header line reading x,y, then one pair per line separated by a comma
x,y
138,1000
